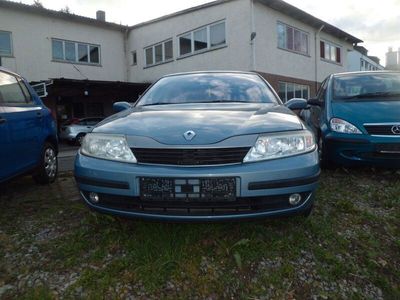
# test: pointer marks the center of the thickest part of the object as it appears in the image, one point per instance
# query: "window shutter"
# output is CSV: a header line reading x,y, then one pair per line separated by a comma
x,y
338,54
322,49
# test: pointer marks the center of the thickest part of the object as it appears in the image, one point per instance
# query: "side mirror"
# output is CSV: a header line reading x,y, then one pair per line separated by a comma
x,y
120,106
297,104
314,101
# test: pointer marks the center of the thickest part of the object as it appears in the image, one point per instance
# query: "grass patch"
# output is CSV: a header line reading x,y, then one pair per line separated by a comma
x,y
348,248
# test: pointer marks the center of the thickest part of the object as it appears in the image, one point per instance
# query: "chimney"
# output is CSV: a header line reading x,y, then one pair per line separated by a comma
x,y
101,15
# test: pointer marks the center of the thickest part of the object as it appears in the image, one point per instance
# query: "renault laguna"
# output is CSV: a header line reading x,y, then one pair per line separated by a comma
x,y
206,146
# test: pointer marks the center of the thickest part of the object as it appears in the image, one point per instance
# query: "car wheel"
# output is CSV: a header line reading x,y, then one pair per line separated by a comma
x,y
47,170
323,160
79,138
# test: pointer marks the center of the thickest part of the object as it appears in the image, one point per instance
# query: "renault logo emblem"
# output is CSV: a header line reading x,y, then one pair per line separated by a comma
x,y
396,129
189,135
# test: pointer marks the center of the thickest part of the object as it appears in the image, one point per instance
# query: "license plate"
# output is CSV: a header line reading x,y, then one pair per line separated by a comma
x,y
191,189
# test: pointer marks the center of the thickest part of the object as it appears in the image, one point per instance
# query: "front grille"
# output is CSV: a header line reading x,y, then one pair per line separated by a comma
x,y
242,205
190,157
382,155
380,129
388,148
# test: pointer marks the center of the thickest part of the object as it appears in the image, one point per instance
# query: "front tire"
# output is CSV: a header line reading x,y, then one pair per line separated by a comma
x,y
47,170
324,162
79,138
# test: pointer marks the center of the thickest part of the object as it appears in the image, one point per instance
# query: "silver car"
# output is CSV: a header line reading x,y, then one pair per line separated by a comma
x,y
73,131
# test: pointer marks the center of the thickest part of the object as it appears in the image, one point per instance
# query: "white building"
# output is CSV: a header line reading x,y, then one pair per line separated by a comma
x,y
36,35
359,60
292,49
393,59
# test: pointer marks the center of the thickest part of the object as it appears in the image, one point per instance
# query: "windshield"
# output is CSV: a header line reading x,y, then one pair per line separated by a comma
x,y
359,87
208,88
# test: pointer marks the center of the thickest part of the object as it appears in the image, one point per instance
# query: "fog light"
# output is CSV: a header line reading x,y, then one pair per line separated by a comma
x,y
94,197
294,199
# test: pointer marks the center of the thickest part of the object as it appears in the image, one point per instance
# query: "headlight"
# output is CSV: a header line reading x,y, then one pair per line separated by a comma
x,y
279,145
343,126
107,146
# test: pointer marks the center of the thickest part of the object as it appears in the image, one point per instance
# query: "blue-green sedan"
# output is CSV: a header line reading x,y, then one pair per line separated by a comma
x,y
201,147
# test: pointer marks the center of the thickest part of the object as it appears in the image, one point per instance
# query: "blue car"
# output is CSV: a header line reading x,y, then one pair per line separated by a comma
x,y
28,138
356,118
201,147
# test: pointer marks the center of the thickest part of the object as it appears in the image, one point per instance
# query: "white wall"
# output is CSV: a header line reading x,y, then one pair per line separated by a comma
x,y
32,51
354,62
238,53
32,33
236,56
326,68
271,59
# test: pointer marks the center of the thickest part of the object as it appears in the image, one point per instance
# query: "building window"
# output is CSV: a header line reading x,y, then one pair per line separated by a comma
x,y
5,43
185,44
134,58
168,52
159,53
292,39
75,52
288,90
94,54
202,39
330,52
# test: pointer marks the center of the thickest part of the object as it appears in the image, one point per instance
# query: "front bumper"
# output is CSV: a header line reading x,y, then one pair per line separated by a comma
x,y
362,150
262,188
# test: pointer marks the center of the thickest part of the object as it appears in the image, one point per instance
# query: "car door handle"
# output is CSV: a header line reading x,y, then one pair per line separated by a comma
x,y
39,114
2,120
88,127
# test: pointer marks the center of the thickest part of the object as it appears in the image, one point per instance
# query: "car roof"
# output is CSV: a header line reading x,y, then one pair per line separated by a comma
x,y
211,72
5,70
361,73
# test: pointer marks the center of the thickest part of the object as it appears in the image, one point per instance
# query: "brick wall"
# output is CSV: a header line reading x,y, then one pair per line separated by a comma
x,y
274,80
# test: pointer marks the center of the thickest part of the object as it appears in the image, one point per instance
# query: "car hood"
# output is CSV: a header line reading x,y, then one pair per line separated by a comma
x,y
360,112
212,123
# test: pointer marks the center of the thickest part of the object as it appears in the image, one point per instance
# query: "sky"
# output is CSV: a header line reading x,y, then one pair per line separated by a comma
x,y
378,25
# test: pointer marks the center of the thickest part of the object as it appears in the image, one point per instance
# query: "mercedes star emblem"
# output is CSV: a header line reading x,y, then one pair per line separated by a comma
x,y
396,129
189,135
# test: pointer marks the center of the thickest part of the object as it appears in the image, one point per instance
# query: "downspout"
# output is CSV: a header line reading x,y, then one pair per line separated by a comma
x,y
127,69
252,37
316,56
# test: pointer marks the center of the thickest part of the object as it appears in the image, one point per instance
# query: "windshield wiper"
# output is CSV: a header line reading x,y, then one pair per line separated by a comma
x,y
223,101
371,95
194,102
162,103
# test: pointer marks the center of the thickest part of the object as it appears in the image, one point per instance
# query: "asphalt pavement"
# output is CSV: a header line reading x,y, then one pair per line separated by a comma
x,y
66,157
